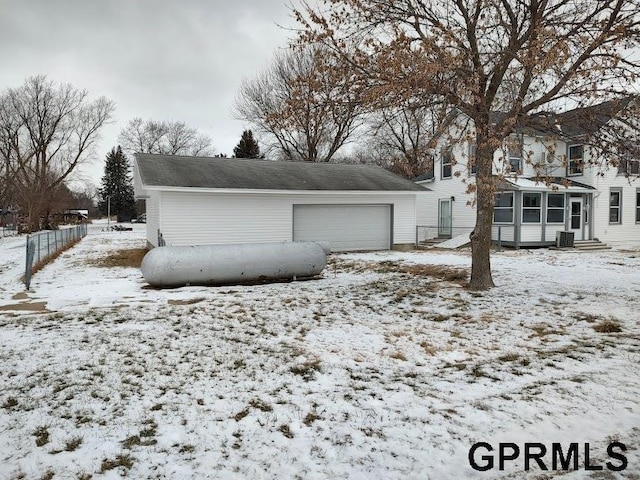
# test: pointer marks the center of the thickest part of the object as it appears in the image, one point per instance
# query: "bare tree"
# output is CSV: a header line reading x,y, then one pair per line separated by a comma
x,y
46,131
304,102
404,137
479,57
166,138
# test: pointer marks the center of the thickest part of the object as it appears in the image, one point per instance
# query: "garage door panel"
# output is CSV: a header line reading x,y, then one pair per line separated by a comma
x,y
345,227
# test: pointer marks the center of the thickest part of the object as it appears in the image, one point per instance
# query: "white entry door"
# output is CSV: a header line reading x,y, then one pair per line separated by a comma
x,y
576,218
444,218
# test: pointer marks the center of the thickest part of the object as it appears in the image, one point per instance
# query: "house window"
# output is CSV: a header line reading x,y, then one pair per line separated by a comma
x,y
515,156
473,167
629,167
447,163
615,206
555,208
576,159
503,207
531,207
638,205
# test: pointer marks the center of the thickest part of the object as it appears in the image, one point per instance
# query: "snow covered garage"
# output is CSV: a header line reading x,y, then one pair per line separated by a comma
x,y
202,200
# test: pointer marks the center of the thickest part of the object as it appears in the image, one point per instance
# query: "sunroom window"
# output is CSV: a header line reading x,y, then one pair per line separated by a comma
x,y
503,207
555,208
531,207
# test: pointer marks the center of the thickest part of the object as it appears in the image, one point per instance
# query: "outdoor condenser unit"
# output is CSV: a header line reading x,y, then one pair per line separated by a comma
x,y
564,239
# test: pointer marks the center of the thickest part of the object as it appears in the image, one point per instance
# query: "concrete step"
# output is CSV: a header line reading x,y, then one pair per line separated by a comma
x,y
593,247
590,245
434,241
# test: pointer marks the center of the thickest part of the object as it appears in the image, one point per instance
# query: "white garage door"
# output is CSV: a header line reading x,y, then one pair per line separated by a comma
x,y
345,227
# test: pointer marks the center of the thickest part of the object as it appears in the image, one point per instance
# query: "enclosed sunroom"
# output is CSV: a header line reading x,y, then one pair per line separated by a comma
x,y
530,214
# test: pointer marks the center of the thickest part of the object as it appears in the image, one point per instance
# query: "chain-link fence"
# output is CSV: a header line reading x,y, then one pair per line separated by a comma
x,y
43,246
8,230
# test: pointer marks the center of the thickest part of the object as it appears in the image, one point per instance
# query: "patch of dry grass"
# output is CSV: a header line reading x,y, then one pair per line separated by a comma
x,y
441,272
122,460
608,326
130,257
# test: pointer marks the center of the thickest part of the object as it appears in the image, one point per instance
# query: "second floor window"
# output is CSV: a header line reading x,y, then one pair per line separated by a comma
x,y
576,160
629,167
615,205
447,163
473,167
515,155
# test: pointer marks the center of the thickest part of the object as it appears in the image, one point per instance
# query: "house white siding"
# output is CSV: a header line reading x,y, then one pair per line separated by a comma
x,y
540,158
506,233
530,233
463,214
628,229
192,218
551,230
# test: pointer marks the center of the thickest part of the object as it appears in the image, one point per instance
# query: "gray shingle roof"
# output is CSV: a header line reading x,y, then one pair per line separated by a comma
x,y
241,173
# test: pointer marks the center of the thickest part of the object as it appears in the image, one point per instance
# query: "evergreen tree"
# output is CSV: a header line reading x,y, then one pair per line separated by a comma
x,y
247,147
117,187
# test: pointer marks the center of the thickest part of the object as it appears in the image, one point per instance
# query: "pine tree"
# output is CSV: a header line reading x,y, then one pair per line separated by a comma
x,y
117,187
247,147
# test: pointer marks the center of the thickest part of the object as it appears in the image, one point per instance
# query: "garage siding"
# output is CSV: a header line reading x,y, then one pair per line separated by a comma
x,y
190,218
152,204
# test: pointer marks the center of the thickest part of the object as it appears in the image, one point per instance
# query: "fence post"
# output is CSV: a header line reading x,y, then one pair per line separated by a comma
x,y
29,260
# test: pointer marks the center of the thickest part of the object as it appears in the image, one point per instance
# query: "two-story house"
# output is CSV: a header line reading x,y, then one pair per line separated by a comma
x,y
548,180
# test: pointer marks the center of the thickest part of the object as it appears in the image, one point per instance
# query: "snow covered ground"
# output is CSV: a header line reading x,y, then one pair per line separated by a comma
x,y
372,371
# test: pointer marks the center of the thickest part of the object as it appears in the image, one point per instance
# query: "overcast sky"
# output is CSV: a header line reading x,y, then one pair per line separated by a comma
x,y
156,59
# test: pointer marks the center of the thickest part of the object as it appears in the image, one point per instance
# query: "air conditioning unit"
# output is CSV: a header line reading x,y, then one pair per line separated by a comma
x,y
547,157
564,239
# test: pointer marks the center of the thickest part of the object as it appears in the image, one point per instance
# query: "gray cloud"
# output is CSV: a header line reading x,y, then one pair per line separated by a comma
x,y
158,59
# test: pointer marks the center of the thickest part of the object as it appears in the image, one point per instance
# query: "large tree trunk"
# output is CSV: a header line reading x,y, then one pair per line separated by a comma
x,y
481,237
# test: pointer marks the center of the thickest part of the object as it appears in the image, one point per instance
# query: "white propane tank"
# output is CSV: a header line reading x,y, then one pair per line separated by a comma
x,y
224,264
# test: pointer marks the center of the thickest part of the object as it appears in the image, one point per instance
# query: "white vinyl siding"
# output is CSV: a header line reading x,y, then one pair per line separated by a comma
x,y
463,213
344,227
506,233
191,218
625,231
152,204
550,232
530,233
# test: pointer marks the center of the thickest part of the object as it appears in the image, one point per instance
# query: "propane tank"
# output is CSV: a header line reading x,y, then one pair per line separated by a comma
x,y
236,263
